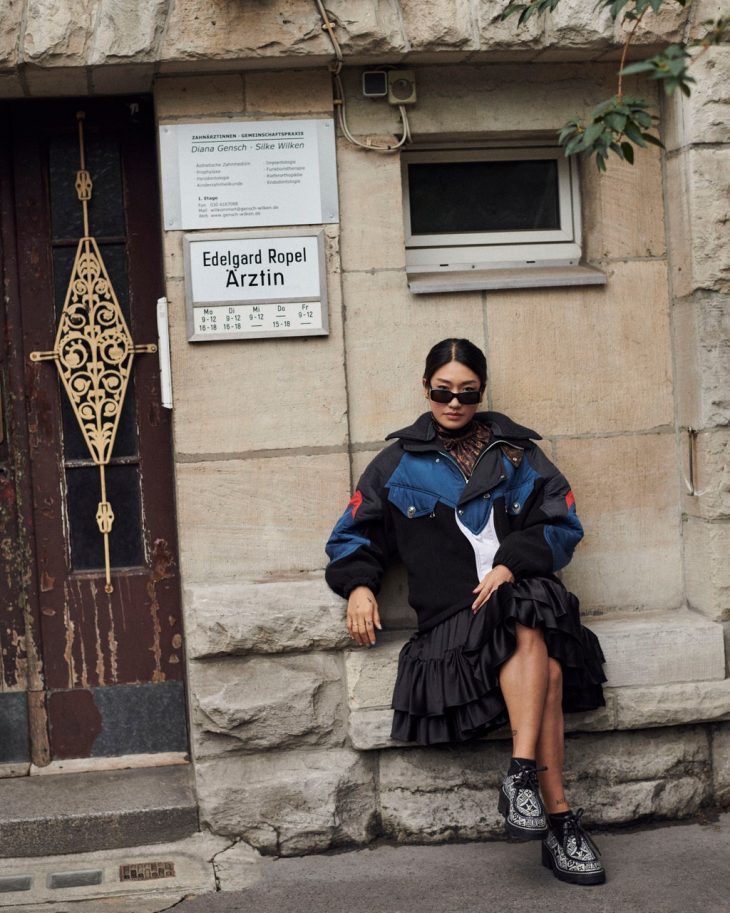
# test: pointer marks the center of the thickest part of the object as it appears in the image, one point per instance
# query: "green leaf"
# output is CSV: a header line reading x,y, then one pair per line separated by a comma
x,y
593,131
634,135
654,140
628,152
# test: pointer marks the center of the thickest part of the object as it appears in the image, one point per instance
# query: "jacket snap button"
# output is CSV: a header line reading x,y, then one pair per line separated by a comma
x,y
438,460
516,505
487,496
461,512
411,511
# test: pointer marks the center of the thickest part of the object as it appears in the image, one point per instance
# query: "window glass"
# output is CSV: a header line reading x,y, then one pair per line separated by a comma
x,y
486,196
125,540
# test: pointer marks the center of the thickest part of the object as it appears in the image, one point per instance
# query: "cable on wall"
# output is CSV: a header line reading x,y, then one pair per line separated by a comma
x,y
339,89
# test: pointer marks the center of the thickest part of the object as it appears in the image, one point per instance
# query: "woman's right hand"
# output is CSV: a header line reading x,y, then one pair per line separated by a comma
x,y
363,616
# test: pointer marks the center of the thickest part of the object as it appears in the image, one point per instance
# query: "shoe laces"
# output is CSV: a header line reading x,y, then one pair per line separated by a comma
x,y
573,828
526,777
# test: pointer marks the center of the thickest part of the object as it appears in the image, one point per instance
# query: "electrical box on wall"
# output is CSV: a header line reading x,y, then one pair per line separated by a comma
x,y
401,87
375,83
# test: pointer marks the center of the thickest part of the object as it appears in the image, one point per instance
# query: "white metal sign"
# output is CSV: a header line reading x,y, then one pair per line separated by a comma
x,y
242,174
241,286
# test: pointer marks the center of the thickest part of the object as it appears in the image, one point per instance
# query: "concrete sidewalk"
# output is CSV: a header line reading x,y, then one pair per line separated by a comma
x,y
682,868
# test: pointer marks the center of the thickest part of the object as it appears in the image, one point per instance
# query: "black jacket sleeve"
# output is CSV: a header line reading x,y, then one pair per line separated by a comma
x,y
548,529
361,543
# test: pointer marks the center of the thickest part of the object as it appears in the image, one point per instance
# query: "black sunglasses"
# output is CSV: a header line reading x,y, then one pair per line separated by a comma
x,y
467,398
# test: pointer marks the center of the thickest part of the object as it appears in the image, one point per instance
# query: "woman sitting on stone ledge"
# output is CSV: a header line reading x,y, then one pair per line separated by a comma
x,y
482,520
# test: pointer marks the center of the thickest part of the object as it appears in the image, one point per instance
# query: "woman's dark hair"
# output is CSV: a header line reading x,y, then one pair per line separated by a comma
x,y
461,350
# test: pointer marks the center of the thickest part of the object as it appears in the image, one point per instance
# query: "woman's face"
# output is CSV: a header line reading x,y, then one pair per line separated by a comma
x,y
457,378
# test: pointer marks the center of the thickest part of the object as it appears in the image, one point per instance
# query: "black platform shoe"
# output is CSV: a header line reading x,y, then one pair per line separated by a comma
x,y
572,855
521,805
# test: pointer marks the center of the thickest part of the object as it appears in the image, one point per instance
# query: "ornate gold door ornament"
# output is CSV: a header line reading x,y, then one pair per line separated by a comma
x,y
94,351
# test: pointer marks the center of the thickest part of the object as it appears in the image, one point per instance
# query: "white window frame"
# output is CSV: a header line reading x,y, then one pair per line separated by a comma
x,y
497,250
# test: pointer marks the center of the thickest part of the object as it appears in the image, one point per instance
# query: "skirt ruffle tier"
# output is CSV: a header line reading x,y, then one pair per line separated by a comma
x,y
447,686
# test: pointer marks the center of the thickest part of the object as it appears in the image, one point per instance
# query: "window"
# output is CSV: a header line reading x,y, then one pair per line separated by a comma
x,y
503,217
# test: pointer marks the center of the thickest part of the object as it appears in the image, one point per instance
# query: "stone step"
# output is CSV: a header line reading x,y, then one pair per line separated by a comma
x,y
81,812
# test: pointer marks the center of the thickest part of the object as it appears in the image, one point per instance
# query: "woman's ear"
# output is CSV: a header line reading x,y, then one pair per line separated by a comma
x,y
425,387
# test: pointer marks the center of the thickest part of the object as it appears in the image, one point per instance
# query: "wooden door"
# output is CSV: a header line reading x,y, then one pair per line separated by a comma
x,y
107,668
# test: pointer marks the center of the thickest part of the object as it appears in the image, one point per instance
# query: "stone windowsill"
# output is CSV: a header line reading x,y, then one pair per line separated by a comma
x,y
496,279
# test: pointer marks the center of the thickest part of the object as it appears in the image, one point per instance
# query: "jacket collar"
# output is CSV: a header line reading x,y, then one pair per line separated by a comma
x,y
421,435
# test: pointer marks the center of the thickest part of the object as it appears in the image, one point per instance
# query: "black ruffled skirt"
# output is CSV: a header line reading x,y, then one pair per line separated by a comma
x,y
447,686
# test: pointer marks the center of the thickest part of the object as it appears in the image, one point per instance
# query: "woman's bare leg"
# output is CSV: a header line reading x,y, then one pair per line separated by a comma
x,y
524,681
551,743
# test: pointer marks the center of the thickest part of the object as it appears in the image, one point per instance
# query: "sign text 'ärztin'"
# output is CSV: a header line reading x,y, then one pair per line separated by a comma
x,y
241,286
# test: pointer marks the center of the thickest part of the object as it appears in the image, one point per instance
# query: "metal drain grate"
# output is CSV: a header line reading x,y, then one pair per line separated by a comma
x,y
146,871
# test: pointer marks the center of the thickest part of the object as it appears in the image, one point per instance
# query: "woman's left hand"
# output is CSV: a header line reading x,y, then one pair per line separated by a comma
x,y
494,579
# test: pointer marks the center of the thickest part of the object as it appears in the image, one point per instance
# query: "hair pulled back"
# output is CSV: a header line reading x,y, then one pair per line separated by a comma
x,y
461,350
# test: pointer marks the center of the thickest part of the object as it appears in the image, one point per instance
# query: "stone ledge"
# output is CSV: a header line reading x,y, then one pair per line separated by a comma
x,y
663,669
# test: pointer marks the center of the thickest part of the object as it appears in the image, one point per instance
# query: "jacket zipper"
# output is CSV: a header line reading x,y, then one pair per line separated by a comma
x,y
486,450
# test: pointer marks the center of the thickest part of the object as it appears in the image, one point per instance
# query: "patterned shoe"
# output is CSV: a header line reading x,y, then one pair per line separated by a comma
x,y
574,856
521,805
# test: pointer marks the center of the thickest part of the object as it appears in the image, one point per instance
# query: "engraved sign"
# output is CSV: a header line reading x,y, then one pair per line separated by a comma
x,y
239,174
241,285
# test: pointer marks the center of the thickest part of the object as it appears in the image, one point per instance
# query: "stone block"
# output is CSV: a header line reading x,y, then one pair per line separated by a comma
x,y
9,32
192,96
54,36
290,802
296,612
258,703
578,25
433,25
172,249
444,767
369,728
710,191
679,222
292,30
614,227
238,867
626,496
371,671
53,81
260,375
702,346
487,102
711,475
624,757
291,92
628,803
411,325
198,30
461,813
258,518
707,569
704,117
660,648
370,183
127,30
498,35
656,30
628,387
671,705
721,763
121,78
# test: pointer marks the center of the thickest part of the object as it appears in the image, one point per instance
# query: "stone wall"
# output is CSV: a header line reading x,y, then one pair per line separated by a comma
x,y
289,722
79,47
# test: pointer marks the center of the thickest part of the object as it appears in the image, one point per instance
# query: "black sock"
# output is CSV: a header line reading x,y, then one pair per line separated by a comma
x,y
556,822
517,763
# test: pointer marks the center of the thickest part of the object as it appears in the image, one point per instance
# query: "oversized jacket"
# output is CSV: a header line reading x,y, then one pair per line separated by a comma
x,y
414,502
